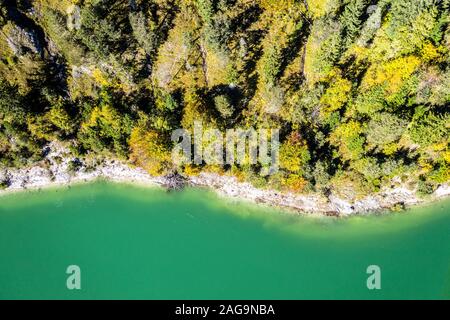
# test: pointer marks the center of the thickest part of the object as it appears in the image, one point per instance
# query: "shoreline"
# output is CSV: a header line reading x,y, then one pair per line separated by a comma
x,y
57,174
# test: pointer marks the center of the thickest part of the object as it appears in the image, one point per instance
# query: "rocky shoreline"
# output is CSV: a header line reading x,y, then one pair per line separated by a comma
x,y
317,204
61,169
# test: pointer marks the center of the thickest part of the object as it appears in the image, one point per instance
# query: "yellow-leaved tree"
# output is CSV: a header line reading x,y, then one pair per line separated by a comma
x,y
151,151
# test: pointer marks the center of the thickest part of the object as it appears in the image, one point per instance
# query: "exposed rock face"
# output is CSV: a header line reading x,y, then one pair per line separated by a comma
x,y
22,41
79,71
443,191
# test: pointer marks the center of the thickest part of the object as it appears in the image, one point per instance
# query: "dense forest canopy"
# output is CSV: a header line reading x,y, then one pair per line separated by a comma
x,y
359,88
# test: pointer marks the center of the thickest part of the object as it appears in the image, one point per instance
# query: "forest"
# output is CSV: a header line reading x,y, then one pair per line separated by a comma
x,y
359,88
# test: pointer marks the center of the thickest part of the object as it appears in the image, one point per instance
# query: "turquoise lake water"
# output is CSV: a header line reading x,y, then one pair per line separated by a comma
x,y
144,243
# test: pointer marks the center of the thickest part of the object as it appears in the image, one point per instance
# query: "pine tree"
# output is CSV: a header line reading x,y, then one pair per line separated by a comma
x,y
352,20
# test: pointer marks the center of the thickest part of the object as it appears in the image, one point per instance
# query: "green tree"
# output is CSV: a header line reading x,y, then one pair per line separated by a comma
x,y
352,20
428,128
384,129
349,140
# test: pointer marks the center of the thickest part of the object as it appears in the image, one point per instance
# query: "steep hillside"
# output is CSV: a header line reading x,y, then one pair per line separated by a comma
x,y
359,88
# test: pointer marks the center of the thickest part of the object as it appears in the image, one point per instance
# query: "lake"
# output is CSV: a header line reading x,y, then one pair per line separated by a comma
x,y
133,242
